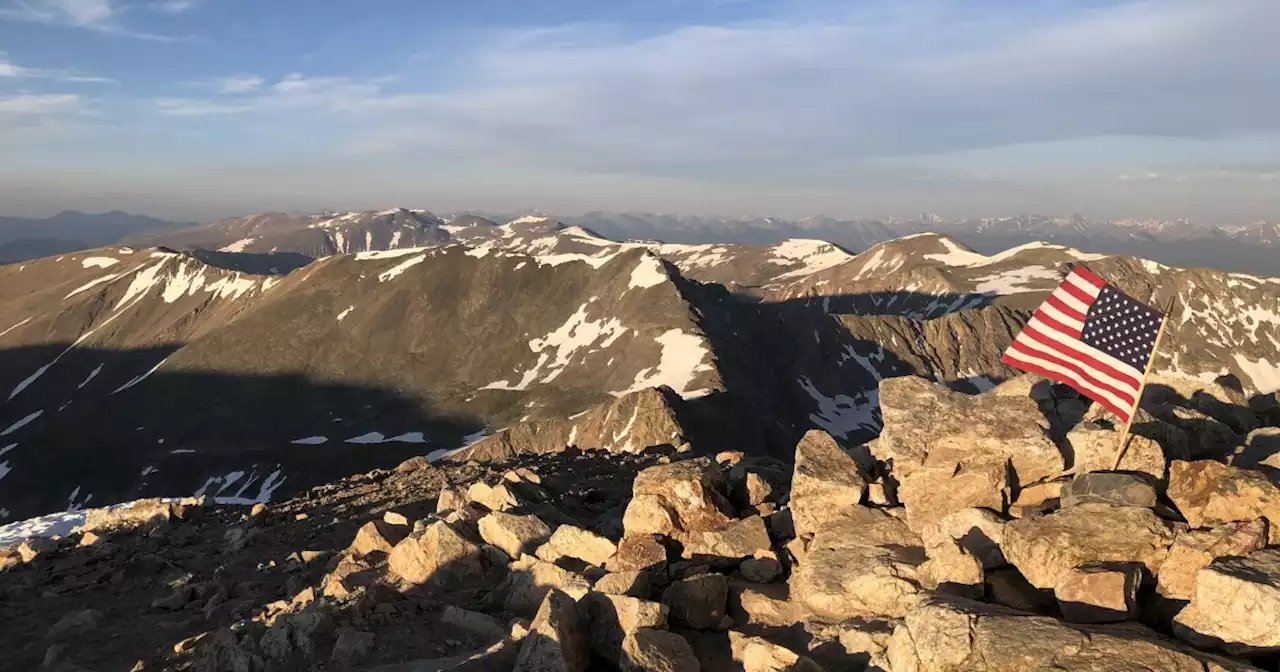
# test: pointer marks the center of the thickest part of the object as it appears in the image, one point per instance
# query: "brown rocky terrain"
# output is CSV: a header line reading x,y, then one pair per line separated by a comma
x,y
977,532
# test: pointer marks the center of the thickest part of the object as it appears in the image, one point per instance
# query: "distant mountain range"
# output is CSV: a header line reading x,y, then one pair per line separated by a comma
x,y
1249,249
1253,248
23,238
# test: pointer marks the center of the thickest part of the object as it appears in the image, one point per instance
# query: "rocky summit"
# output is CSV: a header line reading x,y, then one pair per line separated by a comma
x,y
397,442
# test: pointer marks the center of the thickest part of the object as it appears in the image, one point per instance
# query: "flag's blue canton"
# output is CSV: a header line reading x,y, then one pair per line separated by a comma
x,y
1122,327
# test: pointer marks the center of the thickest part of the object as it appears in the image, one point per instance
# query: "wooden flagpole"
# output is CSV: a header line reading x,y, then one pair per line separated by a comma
x,y
1151,362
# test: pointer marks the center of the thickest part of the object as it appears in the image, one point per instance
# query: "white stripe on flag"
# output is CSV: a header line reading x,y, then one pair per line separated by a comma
x,y
1069,375
1071,301
1065,319
1083,285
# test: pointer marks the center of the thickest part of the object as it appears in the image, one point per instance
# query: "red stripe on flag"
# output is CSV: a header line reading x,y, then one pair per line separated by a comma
x,y
1033,332
1088,276
1078,293
1057,326
1075,367
1123,414
1064,308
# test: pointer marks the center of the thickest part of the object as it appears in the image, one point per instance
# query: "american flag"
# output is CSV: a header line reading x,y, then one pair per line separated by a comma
x,y
1092,337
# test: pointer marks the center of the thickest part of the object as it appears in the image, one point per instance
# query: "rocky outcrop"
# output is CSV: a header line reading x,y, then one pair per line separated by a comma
x,y
1193,550
439,555
1236,604
926,424
681,500
1047,548
555,641
865,564
826,483
629,424
945,634
1209,494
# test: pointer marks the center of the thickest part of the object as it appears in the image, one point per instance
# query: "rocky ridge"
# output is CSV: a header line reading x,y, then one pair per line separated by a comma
x,y
957,540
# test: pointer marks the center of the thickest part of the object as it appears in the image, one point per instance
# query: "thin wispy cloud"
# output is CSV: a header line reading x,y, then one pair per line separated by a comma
x,y
96,15
11,70
37,109
240,84
176,6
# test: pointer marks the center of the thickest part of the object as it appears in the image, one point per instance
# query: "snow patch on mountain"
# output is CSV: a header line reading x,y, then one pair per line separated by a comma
x,y
22,423
139,379
814,255
2,333
99,262
238,246
683,358
91,284
648,273
577,332
841,414
395,271
92,374
1017,280
1265,375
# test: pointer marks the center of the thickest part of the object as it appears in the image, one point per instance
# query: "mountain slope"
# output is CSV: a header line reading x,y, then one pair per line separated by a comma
x,y
192,377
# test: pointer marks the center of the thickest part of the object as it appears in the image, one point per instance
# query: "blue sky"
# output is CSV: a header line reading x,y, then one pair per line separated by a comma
x,y
206,108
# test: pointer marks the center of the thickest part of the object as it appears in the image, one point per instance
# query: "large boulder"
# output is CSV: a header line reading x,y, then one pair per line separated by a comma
x,y
1099,593
936,490
863,565
756,654
927,423
952,569
1095,448
570,541
949,634
1193,550
825,485
650,650
681,500
1107,487
632,584
609,619
636,553
1046,548
438,556
376,536
555,642
727,546
698,602
515,535
1236,604
1209,494
529,580
979,532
